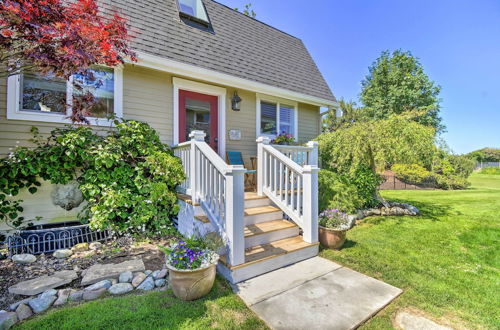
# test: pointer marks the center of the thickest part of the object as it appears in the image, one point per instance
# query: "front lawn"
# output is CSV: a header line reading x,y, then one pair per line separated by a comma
x,y
221,309
447,261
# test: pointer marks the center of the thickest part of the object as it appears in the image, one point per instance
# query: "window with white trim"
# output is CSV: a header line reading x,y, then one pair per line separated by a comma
x,y
36,97
277,118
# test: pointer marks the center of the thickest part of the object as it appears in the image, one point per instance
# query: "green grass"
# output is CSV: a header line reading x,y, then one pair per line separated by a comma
x,y
447,261
220,309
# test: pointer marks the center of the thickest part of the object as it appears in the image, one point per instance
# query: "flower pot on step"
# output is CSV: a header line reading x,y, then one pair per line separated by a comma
x,y
332,238
191,284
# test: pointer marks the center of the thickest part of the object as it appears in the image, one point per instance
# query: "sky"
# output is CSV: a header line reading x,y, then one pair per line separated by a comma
x,y
457,42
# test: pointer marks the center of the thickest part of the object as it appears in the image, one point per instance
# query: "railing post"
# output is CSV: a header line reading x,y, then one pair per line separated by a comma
x,y
196,136
313,155
261,141
310,205
234,213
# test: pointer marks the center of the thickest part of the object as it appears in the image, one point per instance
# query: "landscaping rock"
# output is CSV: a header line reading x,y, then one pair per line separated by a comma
x,y
99,272
160,274
48,293
99,285
7,320
148,272
41,304
147,284
161,282
95,246
62,297
76,296
23,312
23,258
80,247
120,288
13,307
114,281
43,283
138,279
61,254
407,321
126,277
91,295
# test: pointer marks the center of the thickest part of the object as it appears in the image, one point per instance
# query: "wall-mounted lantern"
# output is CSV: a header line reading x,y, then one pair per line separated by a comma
x,y
236,102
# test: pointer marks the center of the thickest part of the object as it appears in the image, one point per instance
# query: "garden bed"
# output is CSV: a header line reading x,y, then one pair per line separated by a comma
x,y
115,251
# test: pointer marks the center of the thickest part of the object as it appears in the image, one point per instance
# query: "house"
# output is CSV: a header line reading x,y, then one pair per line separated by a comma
x,y
209,79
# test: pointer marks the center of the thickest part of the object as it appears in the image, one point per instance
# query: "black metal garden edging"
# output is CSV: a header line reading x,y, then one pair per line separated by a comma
x,y
48,240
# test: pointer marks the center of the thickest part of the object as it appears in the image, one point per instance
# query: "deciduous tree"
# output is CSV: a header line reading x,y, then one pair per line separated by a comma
x,y
396,83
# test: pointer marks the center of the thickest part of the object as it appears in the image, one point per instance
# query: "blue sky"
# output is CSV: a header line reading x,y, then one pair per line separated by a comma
x,y
458,43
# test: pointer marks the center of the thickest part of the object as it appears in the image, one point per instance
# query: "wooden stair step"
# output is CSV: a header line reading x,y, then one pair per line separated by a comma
x,y
267,227
202,218
261,210
271,250
249,196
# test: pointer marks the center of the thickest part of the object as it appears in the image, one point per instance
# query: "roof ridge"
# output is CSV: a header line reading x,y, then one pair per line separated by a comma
x,y
253,18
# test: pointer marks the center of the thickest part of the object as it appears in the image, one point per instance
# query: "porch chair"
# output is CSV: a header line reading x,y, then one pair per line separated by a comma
x,y
235,158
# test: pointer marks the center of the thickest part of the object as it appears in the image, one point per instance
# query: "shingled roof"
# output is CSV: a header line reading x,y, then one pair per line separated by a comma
x,y
239,45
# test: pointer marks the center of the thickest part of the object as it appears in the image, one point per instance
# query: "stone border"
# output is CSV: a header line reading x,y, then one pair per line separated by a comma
x,y
125,283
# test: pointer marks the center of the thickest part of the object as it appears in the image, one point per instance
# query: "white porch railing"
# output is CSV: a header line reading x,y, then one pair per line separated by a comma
x,y
219,188
293,187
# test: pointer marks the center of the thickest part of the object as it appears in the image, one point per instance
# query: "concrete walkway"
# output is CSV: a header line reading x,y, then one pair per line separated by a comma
x,y
315,294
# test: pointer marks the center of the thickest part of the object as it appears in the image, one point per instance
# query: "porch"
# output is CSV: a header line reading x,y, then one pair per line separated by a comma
x,y
275,226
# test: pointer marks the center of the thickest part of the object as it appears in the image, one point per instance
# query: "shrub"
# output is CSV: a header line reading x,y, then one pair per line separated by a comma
x,y
413,173
127,176
490,170
347,194
451,182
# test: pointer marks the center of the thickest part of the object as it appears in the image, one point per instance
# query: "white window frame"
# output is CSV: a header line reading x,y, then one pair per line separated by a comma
x,y
194,86
278,101
14,111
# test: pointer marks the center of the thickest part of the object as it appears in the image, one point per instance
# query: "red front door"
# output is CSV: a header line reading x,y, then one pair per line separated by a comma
x,y
198,112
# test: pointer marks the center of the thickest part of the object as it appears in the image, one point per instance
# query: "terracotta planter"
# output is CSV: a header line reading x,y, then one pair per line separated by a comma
x,y
191,284
332,238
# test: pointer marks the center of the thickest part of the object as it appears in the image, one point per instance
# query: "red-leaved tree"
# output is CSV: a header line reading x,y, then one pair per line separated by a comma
x,y
61,38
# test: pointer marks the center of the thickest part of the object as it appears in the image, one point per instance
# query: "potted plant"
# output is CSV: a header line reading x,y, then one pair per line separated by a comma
x,y
283,139
191,264
333,226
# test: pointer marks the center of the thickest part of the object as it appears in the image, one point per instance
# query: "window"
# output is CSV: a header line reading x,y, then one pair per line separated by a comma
x,y
32,96
194,13
276,118
102,88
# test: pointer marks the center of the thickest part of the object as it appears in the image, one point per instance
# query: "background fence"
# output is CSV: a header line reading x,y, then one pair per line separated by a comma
x,y
481,165
391,182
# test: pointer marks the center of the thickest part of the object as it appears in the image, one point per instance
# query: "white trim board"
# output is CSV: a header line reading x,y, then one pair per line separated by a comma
x,y
201,88
189,70
14,101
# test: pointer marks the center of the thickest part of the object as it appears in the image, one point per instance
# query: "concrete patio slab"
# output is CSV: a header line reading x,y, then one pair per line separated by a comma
x,y
338,299
270,284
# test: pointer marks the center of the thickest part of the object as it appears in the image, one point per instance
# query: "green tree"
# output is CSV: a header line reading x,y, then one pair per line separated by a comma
x,y
376,145
396,83
248,10
349,115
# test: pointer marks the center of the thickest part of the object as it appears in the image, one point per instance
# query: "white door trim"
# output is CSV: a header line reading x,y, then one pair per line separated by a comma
x,y
198,87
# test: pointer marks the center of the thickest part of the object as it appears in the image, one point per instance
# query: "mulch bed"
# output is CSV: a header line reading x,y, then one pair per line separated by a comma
x,y
112,252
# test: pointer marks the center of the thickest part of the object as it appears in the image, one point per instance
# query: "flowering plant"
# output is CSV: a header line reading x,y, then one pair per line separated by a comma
x,y
334,219
190,256
283,138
